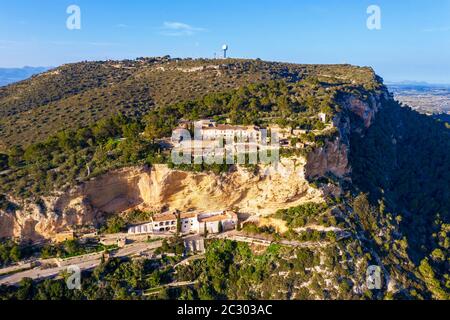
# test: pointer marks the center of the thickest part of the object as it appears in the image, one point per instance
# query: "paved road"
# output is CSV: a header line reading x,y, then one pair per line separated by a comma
x,y
87,262
16,268
242,237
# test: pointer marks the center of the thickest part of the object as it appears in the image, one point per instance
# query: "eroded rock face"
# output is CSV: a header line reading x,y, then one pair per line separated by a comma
x,y
365,110
159,188
261,194
332,158
33,222
113,192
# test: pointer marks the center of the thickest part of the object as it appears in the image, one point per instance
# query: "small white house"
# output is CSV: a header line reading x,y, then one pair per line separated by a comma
x,y
323,117
217,222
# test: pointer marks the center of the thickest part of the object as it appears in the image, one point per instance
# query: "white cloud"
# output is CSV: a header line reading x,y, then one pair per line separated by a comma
x,y
87,43
122,25
178,29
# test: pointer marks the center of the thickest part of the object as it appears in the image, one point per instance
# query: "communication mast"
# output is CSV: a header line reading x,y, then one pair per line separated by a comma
x,y
225,49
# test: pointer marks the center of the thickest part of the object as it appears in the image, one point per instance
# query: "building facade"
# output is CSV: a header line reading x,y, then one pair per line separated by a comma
x,y
233,133
190,222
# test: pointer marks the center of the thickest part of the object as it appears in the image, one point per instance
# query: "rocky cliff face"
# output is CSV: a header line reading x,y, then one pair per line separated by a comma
x,y
160,188
333,158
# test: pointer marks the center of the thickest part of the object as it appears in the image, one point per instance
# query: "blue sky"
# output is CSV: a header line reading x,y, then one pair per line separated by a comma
x,y
413,44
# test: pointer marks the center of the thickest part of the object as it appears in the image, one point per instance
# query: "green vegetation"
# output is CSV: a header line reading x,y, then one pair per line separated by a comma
x,y
253,229
403,163
174,246
138,216
118,224
114,279
71,248
432,283
404,160
114,225
11,252
76,95
300,216
229,270
72,156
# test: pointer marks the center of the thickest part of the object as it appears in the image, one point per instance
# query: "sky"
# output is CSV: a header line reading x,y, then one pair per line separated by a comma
x,y
412,44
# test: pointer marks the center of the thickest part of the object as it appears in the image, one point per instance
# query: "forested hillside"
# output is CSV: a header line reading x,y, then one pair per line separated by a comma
x,y
77,95
403,163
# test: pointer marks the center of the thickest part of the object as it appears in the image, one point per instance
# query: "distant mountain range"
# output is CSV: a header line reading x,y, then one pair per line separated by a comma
x,y
11,75
408,83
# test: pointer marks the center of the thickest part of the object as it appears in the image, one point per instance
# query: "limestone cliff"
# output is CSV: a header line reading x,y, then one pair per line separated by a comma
x,y
333,158
160,188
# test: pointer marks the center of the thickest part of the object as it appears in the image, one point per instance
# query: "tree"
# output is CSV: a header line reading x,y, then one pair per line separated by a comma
x,y
178,223
15,156
71,247
4,160
438,255
205,230
15,253
25,290
66,140
115,225
364,211
430,280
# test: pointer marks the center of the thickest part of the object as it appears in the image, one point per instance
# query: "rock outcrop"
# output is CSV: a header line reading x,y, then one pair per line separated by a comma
x,y
333,157
161,188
